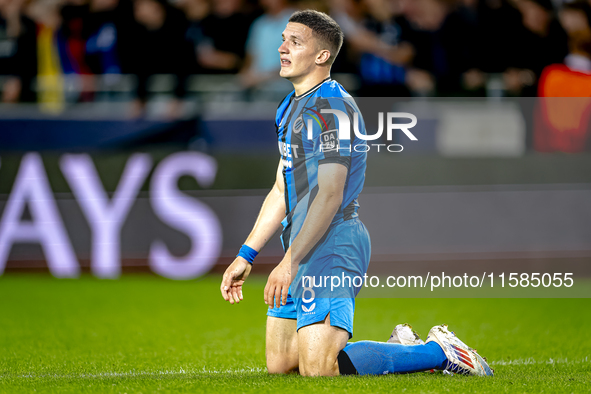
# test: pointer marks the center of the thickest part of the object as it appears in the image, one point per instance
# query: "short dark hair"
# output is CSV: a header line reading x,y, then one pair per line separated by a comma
x,y
323,27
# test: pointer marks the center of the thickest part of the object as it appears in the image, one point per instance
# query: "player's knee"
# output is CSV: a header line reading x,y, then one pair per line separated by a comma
x,y
277,369
281,362
280,367
319,366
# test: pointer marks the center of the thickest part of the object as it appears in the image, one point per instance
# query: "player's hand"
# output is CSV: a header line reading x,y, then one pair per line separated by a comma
x,y
233,280
278,285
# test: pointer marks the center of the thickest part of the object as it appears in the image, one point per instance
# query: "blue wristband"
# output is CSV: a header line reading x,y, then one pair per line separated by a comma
x,y
247,253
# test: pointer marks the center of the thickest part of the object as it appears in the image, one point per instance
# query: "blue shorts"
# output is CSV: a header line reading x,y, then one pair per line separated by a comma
x,y
343,252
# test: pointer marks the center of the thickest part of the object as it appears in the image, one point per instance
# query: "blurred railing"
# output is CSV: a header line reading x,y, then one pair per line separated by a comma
x,y
121,87
219,87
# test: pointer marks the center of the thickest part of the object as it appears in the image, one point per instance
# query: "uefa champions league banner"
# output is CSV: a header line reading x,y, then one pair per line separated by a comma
x,y
58,225
146,220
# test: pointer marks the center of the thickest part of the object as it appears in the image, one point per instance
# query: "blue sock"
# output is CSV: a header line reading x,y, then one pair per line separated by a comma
x,y
377,358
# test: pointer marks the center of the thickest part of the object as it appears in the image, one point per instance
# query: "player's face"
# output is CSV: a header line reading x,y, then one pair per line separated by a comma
x,y
298,52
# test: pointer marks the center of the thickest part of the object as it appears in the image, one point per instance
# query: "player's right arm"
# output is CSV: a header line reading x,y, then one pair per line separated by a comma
x,y
268,222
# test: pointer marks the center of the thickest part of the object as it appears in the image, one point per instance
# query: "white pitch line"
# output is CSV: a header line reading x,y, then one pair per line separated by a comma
x,y
204,371
531,361
143,373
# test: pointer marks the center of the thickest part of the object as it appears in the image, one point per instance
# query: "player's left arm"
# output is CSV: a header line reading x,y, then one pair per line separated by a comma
x,y
331,184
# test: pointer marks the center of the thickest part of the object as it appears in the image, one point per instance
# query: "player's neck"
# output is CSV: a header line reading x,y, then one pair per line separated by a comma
x,y
309,82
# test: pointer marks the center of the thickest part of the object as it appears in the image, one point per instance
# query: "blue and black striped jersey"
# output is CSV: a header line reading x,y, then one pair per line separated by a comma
x,y
303,150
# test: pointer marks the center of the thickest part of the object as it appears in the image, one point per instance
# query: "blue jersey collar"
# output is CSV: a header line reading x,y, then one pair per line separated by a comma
x,y
311,90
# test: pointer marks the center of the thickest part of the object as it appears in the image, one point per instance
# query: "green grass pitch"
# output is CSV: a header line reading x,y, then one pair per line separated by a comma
x,y
146,334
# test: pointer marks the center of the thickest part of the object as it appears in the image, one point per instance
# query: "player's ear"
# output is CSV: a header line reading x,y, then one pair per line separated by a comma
x,y
322,57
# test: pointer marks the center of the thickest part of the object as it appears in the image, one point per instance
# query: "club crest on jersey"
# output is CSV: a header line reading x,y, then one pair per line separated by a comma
x,y
298,125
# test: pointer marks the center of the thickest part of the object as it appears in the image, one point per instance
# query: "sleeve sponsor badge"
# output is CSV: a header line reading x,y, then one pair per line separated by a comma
x,y
329,141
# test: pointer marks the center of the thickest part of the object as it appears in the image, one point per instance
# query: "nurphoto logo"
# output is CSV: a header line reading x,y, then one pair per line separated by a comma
x,y
330,138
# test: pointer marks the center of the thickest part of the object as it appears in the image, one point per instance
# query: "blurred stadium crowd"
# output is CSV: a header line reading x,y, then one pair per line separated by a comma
x,y
393,47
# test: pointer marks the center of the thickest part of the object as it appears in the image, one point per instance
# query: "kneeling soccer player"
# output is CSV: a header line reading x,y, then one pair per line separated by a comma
x,y
319,178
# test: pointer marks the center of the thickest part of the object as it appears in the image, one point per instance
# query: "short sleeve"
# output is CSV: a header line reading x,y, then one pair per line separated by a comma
x,y
331,145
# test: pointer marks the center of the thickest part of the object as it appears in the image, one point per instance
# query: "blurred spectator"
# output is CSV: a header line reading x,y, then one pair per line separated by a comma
x,y
446,49
346,13
225,31
318,5
378,37
71,43
71,40
105,28
18,55
195,11
498,25
386,51
50,80
541,42
575,18
156,45
264,39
